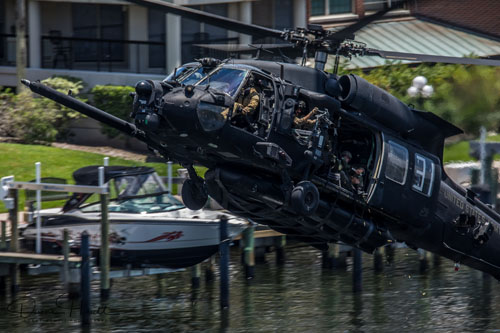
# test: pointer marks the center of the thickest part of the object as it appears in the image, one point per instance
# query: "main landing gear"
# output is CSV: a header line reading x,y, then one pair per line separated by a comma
x,y
194,191
305,198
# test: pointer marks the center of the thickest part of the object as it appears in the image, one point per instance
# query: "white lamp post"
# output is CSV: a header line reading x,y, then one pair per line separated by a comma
x,y
420,88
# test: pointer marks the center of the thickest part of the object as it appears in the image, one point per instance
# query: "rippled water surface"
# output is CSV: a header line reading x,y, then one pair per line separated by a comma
x,y
299,296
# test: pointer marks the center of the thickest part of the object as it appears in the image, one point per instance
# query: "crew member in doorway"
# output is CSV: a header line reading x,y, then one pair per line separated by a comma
x,y
341,168
302,120
247,102
357,175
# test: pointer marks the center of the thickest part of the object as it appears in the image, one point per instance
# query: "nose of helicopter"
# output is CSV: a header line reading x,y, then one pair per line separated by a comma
x,y
194,108
181,111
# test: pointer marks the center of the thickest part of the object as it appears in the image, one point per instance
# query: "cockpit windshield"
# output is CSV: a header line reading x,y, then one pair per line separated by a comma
x,y
188,75
225,79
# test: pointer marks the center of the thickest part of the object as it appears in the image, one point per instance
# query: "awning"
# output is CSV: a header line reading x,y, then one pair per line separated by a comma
x,y
417,36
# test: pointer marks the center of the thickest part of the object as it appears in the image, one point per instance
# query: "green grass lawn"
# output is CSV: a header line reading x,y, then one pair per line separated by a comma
x,y
457,152
19,160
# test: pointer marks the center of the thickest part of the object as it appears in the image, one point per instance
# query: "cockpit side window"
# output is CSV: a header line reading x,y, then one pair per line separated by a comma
x,y
178,72
254,104
423,176
397,163
194,76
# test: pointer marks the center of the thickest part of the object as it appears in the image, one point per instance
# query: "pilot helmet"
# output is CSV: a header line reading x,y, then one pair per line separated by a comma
x,y
251,80
301,105
346,154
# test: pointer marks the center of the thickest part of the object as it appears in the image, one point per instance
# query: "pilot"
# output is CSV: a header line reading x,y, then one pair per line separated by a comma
x,y
302,121
247,101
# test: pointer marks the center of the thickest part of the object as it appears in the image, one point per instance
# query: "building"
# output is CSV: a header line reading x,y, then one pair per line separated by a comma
x,y
116,42
437,27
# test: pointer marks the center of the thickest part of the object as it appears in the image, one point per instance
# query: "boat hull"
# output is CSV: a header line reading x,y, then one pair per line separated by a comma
x,y
174,244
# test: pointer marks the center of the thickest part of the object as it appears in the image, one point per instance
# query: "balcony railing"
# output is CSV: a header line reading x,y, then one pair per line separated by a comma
x,y
103,55
107,55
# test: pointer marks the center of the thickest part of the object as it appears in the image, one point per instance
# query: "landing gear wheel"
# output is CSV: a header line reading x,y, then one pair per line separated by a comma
x,y
305,198
194,195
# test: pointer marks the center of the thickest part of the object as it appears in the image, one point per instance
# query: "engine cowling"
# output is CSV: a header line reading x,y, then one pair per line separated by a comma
x,y
376,103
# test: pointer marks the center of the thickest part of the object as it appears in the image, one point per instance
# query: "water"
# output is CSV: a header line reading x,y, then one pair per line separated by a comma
x,y
297,297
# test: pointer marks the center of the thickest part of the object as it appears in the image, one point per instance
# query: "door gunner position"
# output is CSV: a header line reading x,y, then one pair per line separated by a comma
x,y
302,121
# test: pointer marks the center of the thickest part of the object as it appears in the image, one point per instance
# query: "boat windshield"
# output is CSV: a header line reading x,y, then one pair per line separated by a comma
x,y
225,79
137,194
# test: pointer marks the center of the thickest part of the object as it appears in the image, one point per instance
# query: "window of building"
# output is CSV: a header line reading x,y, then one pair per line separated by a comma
x,y
194,32
330,7
283,14
2,17
276,14
424,175
2,30
397,163
98,22
318,7
376,5
156,33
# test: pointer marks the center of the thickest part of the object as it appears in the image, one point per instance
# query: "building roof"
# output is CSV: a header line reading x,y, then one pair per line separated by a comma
x,y
417,36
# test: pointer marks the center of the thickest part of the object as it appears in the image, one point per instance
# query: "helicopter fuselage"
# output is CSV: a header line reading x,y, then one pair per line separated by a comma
x,y
264,169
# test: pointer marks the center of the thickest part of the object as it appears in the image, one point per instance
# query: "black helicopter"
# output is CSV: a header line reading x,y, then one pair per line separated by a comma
x,y
264,169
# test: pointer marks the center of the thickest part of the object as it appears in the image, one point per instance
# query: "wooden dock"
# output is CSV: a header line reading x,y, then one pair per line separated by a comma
x,y
36,259
262,234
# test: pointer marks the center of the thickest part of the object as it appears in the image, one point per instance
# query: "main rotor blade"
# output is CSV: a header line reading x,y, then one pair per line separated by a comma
x,y
431,58
245,48
348,32
212,19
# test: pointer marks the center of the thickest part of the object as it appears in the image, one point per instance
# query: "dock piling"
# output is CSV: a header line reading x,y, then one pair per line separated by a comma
x,y
357,270
105,254
249,254
209,270
331,256
423,259
389,253
224,263
378,259
195,276
85,280
169,177
280,250
4,272
65,268
3,243
38,175
13,216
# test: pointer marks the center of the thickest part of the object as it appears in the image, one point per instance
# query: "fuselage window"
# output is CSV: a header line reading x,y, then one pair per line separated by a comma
x,y
424,175
397,163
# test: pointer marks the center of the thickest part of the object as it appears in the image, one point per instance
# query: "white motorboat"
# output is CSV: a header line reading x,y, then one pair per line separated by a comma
x,y
148,226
